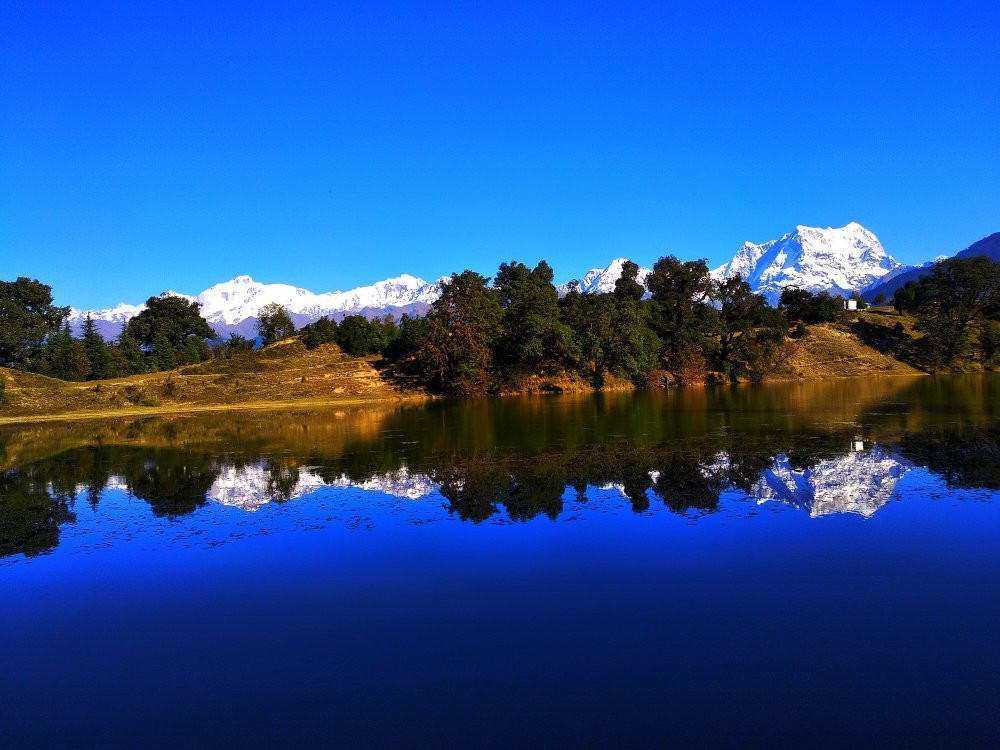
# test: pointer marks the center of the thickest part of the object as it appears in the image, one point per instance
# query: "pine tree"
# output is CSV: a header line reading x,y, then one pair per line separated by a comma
x,y
97,352
131,354
56,353
163,355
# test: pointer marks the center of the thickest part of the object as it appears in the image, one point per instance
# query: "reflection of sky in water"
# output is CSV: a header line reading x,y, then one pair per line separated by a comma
x,y
244,503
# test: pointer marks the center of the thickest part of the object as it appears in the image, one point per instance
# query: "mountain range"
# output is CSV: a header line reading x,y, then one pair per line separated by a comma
x,y
841,261
859,482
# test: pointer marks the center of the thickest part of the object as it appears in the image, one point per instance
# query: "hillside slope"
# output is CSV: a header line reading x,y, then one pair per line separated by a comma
x,y
284,373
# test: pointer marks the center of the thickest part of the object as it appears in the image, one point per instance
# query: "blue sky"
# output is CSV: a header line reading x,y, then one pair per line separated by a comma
x,y
147,146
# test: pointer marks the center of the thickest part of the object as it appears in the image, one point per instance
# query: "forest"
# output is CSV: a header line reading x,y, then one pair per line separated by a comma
x,y
487,335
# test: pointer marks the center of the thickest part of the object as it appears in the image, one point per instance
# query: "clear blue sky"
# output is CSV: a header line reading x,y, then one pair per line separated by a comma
x,y
146,146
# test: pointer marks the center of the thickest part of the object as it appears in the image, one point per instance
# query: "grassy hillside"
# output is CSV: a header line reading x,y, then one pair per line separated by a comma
x,y
284,373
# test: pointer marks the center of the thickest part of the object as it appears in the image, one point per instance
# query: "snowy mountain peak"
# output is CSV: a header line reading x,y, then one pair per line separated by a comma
x,y
233,306
602,280
839,260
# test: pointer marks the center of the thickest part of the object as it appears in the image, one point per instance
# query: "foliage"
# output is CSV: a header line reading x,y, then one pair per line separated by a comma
x,y
680,311
989,340
880,299
463,325
323,331
163,355
101,365
274,323
412,332
172,318
905,297
749,329
801,304
360,337
950,302
27,317
129,357
532,336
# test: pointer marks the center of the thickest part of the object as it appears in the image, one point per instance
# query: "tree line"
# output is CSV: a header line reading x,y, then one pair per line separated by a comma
x,y
484,335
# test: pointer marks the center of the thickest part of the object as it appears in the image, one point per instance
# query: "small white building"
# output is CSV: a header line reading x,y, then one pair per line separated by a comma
x,y
850,304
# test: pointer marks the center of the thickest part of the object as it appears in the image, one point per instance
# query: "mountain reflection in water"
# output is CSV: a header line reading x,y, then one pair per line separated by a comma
x,y
825,448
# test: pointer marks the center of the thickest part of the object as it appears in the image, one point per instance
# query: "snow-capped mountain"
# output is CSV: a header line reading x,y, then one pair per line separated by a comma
x,y
233,306
251,487
860,482
602,280
839,261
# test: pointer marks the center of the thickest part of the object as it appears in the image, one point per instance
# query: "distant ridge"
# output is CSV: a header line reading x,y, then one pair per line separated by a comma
x,y
988,246
233,306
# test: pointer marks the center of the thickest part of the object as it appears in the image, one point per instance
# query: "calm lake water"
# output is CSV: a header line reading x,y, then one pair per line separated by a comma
x,y
795,565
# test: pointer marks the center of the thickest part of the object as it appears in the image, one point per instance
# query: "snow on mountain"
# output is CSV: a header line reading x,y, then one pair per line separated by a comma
x,y
602,280
860,482
251,487
233,306
839,261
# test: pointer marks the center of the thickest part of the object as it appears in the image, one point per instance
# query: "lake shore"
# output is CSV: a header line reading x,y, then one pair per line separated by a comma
x,y
290,376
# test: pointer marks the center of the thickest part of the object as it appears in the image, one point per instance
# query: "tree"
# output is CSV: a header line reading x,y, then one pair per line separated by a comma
x,y
101,366
237,344
749,329
680,313
131,360
172,318
463,324
532,335
27,317
163,355
56,357
627,286
274,323
905,297
611,335
989,340
357,336
323,331
880,299
412,332
801,304
949,303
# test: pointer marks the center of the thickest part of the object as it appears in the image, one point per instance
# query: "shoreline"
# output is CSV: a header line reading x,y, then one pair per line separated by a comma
x,y
178,409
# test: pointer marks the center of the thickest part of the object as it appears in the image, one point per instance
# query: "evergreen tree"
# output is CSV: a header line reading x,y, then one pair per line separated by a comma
x,y
78,365
163,355
412,332
101,366
323,331
56,354
131,357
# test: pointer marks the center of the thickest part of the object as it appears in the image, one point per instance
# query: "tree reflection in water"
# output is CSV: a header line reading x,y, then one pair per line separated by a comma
x,y
518,457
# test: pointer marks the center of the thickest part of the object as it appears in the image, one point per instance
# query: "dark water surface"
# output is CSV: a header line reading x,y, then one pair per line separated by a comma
x,y
794,565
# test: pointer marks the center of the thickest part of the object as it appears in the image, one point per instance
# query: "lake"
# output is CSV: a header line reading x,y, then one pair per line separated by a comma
x,y
801,564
